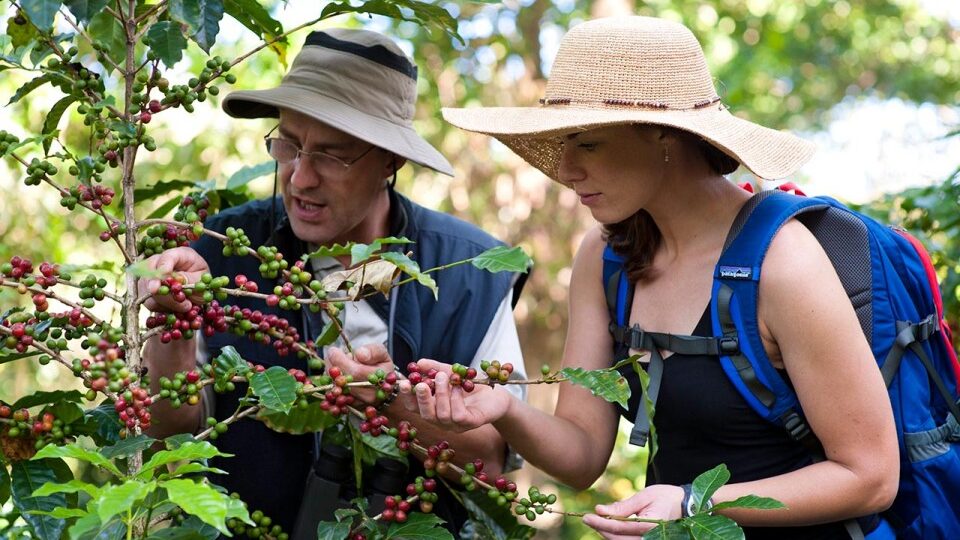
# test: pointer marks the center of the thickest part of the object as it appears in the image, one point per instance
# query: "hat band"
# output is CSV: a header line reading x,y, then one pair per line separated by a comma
x,y
375,53
628,103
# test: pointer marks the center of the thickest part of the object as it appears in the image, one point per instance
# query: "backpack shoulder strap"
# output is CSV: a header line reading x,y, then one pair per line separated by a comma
x,y
734,309
617,288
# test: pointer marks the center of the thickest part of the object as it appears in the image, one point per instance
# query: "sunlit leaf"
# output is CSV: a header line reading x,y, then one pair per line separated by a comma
x,y
361,252
72,486
75,451
185,12
419,526
706,484
166,40
276,388
335,250
329,335
671,530
118,499
192,468
377,447
187,451
503,259
227,365
211,11
258,20
200,500
29,87
751,501
53,119
713,527
604,383
20,34
61,513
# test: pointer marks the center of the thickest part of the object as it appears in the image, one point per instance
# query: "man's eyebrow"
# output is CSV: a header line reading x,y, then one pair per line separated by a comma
x,y
328,146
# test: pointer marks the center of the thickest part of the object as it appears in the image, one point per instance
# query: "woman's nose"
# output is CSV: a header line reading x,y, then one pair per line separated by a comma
x,y
569,170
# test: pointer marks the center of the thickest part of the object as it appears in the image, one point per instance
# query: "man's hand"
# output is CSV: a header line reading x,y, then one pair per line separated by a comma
x,y
364,361
183,261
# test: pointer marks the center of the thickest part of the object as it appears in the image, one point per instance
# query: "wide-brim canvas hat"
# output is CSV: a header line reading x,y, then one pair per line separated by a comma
x,y
626,70
357,81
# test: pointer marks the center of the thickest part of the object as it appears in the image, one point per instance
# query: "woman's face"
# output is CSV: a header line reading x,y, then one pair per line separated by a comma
x,y
615,170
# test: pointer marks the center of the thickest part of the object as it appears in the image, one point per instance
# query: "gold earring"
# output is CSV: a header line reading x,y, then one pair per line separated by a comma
x,y
666,154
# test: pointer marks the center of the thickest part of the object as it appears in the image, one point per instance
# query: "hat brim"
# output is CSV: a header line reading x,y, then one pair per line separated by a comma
x,y
402,140
536,133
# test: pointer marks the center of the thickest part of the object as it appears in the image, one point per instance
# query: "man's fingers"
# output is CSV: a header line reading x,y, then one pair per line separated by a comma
x,y
372,355
442,397
425,402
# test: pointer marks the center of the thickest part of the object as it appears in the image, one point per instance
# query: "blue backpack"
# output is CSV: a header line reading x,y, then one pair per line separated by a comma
x,y
893,288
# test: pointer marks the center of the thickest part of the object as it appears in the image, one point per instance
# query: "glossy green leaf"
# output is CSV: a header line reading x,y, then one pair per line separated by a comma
x,y
419,526
670,530
751,501
27,477
329,530
71,486
188,451
103,424
335,250
329,335
162,188
118,499
603,383
276,389
245,175
128,446
166,40
29,87
66,411
41,12
258,20
201,500
84,10
185,12
177,533
192,468
53,119
503,259
361,252
706,484
11,357
297,421
211,11
61,513
164,209
75,451
228,365
377,447
713,527
412,269
44,398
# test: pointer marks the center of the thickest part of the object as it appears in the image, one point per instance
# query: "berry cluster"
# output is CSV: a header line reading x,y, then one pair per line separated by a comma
x,y
116,229
92,290
44,429
375,423
107,369
534,505
396,509
425,489
497,372
16,268
337,399
503,491
209,319
133,406
183,388
6,141
385,383
245,284
438,459
237,242
20,337
96,195
272,262
263,526
193,207
263,328
197,88
462,376
37,170
405,434
219,428
161,237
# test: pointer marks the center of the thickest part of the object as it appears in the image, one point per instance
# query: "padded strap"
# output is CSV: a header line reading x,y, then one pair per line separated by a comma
x,y
641,424
636,338
740,361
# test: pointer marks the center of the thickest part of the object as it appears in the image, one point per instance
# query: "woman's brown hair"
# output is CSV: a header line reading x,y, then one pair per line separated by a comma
x,y
637,238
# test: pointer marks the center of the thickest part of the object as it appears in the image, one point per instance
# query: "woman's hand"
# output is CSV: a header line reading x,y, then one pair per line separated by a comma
x,y
449,407
659,501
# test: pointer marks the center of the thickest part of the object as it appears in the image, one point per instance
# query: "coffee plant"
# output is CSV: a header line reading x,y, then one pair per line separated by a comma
x,y
111,60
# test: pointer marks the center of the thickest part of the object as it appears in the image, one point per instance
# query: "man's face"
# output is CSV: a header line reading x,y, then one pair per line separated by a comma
x,y
328,203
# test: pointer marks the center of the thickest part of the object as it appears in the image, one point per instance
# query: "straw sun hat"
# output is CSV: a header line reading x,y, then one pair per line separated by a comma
x,y
628,70
357,81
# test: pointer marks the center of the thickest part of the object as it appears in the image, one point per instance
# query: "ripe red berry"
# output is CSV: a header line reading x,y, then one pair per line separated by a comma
x,y
154,106
145,117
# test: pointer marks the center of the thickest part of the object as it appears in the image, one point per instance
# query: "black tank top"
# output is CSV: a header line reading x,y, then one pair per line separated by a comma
x,y
701,421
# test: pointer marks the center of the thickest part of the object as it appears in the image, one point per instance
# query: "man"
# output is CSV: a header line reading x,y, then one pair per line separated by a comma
x,y
345,114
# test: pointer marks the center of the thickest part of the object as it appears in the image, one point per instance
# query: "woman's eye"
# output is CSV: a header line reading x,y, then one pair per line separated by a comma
x,y
587,145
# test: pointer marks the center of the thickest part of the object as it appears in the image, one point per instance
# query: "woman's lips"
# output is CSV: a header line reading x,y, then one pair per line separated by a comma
x,y
589,199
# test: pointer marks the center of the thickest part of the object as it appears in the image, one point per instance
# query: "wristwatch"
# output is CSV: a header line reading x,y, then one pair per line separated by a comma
x,y
686,505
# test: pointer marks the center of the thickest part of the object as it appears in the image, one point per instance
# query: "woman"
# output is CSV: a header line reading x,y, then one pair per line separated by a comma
x,y
631,121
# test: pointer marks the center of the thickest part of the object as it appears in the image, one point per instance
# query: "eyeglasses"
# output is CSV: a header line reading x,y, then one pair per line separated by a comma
x,y
285,151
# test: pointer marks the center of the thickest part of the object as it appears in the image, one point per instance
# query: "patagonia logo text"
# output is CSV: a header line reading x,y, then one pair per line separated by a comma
x,y
736,272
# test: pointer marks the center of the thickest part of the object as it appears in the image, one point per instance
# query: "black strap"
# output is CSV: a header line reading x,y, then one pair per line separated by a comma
x,y
641,424
747,374
909,336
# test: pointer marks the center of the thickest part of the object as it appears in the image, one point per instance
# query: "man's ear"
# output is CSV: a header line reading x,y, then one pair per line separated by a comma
x,y
394,164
